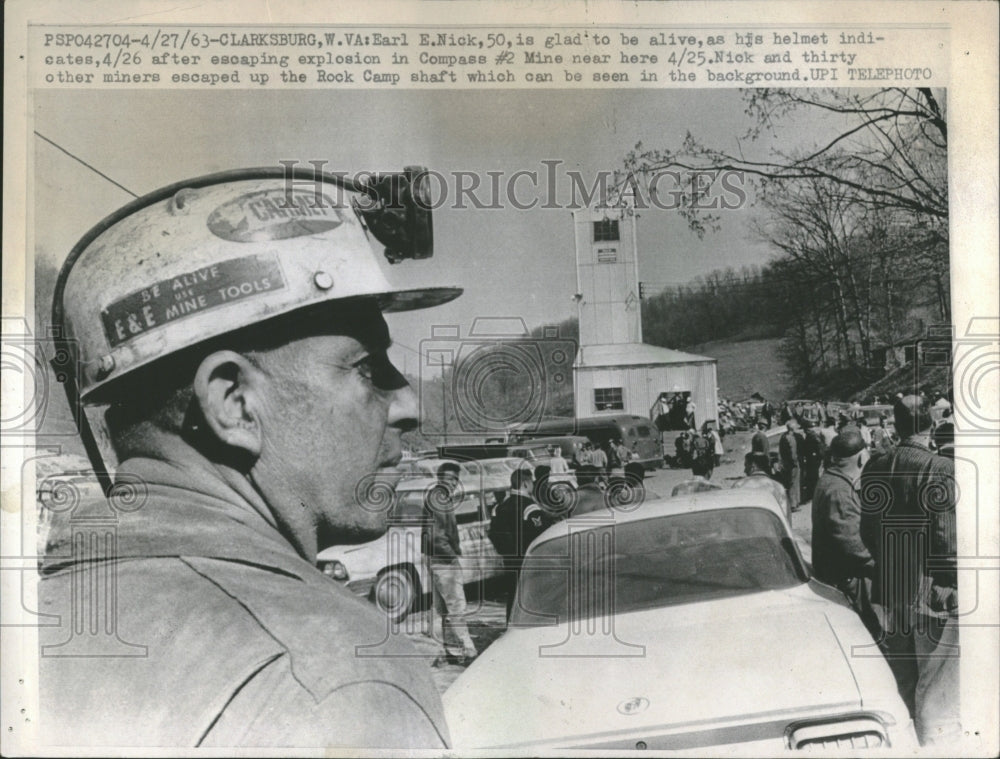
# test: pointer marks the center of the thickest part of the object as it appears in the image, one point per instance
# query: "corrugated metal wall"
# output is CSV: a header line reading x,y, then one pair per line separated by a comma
x,y
642,385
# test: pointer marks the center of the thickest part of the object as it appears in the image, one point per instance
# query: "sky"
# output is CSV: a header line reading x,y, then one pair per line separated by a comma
x,y
512,263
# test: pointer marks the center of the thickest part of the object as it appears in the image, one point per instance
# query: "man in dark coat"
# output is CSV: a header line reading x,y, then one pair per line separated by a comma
x,y
813,454
516,522
839,556
788,450
759,443
908,499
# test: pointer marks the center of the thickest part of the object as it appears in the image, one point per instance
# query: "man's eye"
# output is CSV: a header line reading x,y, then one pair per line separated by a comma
x,y
366,367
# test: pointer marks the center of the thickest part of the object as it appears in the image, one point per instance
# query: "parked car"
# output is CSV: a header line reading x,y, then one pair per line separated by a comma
x,y
835,408
701,631
423,468
639,434
495,473
569,445
392,570
873,413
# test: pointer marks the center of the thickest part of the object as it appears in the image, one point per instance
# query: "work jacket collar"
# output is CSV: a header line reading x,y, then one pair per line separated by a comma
x,y
164,509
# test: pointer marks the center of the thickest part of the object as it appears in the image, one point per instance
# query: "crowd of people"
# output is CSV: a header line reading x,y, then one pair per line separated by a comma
x,y
900,495
870,486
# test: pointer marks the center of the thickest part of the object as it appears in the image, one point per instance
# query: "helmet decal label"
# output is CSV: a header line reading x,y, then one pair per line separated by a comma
x,y
275,214
188,294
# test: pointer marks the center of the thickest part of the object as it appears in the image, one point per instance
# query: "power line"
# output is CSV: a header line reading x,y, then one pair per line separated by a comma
x,y
80,160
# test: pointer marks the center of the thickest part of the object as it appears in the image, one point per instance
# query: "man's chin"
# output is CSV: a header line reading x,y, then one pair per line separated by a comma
x,y
363,528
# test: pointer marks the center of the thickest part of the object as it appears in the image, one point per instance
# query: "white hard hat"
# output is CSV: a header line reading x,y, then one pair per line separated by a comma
x,y
215,254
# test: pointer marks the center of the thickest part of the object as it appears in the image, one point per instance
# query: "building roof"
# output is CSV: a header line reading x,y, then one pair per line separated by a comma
x,y
632,354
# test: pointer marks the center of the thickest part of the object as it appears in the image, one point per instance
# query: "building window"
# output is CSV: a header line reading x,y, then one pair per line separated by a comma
x,y
608,399
606,230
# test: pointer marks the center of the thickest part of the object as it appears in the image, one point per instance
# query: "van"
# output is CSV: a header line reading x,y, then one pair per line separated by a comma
x,y
636,432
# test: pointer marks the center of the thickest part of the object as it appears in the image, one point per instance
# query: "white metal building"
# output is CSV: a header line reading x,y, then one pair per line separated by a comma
x,y
630,377
614,371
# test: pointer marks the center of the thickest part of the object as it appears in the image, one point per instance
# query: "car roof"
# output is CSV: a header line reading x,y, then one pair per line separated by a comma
x,y
421,484
706,500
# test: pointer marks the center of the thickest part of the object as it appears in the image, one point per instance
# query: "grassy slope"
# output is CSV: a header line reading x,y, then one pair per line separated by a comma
x,y
747,367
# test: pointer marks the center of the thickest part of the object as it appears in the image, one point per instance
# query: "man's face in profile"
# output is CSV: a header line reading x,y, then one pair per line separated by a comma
x,y
333,414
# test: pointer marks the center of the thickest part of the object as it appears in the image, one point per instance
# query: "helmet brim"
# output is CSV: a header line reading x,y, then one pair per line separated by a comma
x,y
410,300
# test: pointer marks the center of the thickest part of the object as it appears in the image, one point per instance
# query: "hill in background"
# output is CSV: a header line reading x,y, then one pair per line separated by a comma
x,y
747,367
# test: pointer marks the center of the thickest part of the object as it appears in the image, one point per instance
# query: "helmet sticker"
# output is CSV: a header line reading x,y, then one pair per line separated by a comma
x,y
275,214
190,293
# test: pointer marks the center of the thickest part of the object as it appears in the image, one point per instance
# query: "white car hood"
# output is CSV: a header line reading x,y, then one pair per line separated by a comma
x,y
759,658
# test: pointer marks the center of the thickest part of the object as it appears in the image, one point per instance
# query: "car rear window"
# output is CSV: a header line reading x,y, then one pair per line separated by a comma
x,y
651,563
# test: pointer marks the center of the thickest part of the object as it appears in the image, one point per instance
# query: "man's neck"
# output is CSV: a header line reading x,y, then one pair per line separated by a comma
x,y
850,472
920,438
203,473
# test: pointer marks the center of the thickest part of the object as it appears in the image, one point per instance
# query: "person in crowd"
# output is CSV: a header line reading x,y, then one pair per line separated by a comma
x,y
819,412
941,402
515,524
701,472
689,412
557,464
443,548
813,455
615,465
881,436
585,455
768,413
600,460
784,414
839,556
703,453
863,428
629,490
623,453
908,494
682,449
757,468
709,429
590,493
854,411
829,431
789,453
759,443
944,439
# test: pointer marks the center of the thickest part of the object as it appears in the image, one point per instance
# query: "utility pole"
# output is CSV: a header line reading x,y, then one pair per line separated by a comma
x,y
444,407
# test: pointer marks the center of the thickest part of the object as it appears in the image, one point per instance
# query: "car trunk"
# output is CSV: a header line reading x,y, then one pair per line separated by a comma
x,y
688,671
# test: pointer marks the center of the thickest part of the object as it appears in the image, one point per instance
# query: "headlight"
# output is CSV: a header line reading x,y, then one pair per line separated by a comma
x,y
336,570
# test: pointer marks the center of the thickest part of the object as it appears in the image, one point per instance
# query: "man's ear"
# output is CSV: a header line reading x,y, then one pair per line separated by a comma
x,y
227,387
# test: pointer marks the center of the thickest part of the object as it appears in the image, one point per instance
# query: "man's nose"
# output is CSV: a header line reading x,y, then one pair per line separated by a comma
x,y
403,409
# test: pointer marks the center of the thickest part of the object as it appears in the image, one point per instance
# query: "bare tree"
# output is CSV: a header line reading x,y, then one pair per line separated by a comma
x,y
885,149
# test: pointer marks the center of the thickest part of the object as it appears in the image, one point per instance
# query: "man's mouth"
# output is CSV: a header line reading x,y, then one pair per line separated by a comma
x,y
391,459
